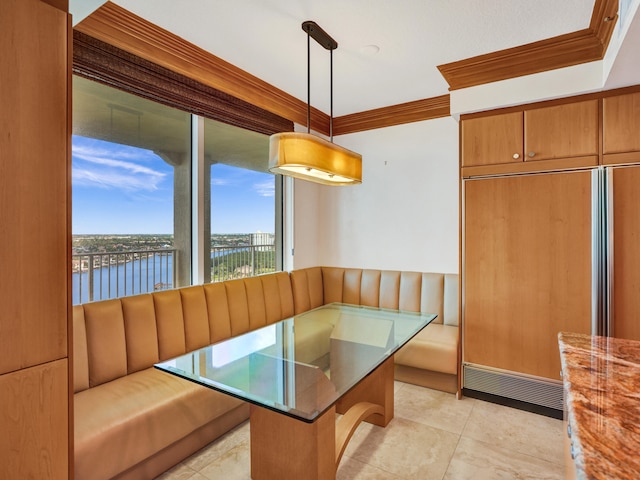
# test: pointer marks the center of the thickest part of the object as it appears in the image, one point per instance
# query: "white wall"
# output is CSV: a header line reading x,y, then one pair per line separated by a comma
x,y
404,215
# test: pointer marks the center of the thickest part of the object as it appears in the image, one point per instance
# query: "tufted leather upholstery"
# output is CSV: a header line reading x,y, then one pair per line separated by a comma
x,y
431,357
138,411
134,422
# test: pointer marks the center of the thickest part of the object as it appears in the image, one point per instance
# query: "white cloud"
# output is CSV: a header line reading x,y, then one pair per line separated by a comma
x,y
220,182
265,189
114,168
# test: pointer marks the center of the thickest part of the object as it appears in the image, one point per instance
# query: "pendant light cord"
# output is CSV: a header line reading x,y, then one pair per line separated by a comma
x,y
331,97
308,82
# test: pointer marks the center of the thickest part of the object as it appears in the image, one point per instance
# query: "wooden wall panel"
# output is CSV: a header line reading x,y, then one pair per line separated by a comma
x,y
527,264
35,399
33,416
626,260
33,184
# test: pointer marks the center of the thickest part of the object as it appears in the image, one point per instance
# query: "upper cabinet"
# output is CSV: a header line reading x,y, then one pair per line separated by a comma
x,y
492,140
562,131
523,140
621,124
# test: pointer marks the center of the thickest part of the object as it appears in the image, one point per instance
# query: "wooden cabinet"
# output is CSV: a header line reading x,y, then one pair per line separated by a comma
x,y
621,127
34,228
561,131
566,131
527,269
625,197
492,140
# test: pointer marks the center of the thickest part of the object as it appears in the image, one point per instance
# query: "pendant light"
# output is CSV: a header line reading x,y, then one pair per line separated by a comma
x,y
307,156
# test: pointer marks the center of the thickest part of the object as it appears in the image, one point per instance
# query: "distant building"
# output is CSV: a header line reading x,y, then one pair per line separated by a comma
x,y
262,241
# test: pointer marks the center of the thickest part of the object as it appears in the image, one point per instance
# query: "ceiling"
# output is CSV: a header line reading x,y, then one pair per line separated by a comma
x,y
388,50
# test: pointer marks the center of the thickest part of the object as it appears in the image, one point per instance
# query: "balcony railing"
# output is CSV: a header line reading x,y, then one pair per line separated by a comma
x,y
242,261
100,276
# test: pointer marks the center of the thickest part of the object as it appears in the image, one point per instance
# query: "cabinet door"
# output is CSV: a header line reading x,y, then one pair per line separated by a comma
x,y
562,131
527,269
621,124
626,255
492,140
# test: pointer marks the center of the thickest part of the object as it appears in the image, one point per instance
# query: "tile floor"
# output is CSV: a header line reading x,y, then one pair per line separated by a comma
x,y
432,436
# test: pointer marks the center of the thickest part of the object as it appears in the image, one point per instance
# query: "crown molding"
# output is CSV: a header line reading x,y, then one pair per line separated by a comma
x,y
416,111
117,26
574,48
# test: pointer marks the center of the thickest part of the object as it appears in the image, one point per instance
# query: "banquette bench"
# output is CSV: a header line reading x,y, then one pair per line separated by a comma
x,y
134,421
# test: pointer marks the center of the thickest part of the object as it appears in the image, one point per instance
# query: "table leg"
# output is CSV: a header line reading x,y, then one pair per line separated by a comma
x,y
283,448
375,388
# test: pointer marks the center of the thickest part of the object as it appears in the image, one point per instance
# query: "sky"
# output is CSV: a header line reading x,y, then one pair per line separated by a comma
x,y
119,189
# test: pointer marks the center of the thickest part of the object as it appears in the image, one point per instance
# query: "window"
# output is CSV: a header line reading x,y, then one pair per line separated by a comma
x,y
243,202
130,169
141,132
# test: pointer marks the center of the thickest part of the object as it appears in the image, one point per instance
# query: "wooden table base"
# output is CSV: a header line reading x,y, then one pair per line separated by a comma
x,y
284,448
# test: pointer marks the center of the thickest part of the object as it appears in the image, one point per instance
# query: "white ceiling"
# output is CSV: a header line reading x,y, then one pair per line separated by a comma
x,y
264,38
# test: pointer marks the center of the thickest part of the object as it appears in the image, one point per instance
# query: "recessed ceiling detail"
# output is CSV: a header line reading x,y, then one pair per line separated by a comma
x,y
575,48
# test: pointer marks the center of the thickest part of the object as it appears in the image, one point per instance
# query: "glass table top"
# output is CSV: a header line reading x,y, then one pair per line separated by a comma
x,y
302,365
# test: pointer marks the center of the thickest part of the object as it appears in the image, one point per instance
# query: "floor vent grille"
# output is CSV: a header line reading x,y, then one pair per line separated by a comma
x,y
526,389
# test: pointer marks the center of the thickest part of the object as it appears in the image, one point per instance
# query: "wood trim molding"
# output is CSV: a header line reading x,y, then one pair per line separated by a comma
x,y
553,165
104,63
603,21
419,110
117,26
574,48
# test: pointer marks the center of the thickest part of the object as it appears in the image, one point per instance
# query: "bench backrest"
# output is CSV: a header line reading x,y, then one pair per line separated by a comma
x,y
412,291
113,338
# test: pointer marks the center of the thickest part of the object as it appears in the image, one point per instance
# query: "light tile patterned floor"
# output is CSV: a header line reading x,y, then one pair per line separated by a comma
x,y
432,436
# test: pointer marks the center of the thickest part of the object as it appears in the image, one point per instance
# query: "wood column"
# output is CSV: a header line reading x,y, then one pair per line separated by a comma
x,y
35,395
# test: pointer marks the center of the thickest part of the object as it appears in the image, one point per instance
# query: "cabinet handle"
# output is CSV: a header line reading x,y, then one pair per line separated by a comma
x,y
569,431
573,452
516,156
532,154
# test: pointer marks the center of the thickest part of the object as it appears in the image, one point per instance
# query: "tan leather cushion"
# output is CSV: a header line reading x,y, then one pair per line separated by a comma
x,y
370,288
141,332
431,298
132,418
410,288
389,290
196,321
255,302
238,308
170,324
434,348
450,309
106,348
351,286
80,359
218,309
307,288
278,298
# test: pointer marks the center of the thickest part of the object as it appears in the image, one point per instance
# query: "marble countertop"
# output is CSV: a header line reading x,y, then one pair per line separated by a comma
x,y
601,379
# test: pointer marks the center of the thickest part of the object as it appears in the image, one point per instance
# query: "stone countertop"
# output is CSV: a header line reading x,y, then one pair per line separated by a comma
x,y
601,378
